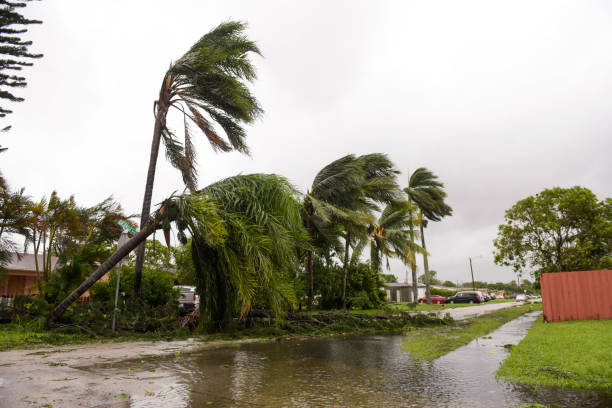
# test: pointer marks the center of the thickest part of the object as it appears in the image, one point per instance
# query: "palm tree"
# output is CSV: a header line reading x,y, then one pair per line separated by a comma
x,y
390,236
261,215
207,85
426,192
53,223
377,185
244,231
13,220
340,202
332,190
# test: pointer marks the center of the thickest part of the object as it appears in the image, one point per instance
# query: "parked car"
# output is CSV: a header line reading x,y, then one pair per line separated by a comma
x,y
521,298
189,299
466,297
434,299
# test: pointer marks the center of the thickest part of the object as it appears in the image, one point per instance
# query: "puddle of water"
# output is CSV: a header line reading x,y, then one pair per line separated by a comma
x,y
355,371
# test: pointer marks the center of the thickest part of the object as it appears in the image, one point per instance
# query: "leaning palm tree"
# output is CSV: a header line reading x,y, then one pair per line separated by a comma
x,y
206,85
244,231
426,192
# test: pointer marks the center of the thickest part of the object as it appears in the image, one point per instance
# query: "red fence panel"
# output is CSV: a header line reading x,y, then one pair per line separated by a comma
x,y
585,295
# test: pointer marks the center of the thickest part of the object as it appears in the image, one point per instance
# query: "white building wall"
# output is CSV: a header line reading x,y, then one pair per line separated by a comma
x,y
421,292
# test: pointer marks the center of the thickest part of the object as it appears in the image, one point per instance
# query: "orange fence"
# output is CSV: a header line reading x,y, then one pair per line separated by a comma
x,y
583,295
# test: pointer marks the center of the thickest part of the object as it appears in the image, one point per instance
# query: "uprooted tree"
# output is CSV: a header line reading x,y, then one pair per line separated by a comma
x,y
244,234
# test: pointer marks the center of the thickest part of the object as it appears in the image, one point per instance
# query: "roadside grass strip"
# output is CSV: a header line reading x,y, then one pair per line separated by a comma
x,y
29,336
431,343
422,307
575,354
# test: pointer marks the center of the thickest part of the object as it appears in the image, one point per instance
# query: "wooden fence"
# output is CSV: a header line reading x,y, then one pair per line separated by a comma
x,y
585,295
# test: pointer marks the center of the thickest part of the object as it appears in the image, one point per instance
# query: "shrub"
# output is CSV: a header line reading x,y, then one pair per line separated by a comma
x,y
362,289
443,292
157,287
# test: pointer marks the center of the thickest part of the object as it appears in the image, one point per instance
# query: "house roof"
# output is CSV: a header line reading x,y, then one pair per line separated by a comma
x,y
26,263
401,285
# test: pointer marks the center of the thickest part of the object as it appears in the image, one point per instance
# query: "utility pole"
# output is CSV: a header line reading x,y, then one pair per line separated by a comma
x,y
472,271
122,240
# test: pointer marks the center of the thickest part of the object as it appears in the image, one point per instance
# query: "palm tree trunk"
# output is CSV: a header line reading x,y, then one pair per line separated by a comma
x,y
426,267
345,271
309,211
44,255
36,247
415,284
119,254
310,279
160,124
413,267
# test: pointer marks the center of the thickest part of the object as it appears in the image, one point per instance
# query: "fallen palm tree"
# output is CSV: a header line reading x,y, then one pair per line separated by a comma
x,y
244,231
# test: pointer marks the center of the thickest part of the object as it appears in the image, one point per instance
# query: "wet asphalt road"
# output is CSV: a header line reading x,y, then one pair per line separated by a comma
x,y
459,313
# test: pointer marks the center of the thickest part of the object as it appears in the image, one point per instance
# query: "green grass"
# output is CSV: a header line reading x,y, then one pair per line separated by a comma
x,y
29,335
15,336
422,307
431,343
576,354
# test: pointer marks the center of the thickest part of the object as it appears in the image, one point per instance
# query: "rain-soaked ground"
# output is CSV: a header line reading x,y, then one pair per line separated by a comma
x,y
356,371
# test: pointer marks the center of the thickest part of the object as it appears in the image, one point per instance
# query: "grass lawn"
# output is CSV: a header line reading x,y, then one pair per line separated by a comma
x,y
423,307
30,335
576,354
14,336
431,343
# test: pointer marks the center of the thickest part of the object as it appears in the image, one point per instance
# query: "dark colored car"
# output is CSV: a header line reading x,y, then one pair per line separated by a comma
x,y
434,299
465,297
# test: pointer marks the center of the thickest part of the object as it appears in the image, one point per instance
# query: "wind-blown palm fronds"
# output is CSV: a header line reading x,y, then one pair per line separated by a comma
x,y
13,220
261,215
208,86
344,193
390,236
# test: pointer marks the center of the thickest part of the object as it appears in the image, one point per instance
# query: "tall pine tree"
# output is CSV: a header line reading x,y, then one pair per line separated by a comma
x,y
14,53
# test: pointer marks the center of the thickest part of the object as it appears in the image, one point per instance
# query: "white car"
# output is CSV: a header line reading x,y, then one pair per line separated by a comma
x,y
521,298
189,299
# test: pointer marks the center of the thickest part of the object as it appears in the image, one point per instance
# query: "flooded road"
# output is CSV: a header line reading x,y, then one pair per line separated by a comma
x,y
351,371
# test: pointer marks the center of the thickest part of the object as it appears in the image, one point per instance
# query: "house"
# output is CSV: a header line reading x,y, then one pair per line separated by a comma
x,y
20,275
402,292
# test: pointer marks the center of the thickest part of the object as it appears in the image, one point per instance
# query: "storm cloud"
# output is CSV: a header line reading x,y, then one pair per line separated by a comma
x,y
500,99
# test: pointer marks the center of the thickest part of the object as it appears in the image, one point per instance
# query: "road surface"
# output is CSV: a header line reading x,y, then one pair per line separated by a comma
x,y
459,313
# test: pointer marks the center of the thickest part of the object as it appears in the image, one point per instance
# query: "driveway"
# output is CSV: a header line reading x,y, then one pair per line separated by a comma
x,y
459,313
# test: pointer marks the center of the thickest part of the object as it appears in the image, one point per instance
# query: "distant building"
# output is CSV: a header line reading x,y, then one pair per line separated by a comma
x,y
20,276
402,292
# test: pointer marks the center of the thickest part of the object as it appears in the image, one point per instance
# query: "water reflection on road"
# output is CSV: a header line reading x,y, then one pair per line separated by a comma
x,y
356,371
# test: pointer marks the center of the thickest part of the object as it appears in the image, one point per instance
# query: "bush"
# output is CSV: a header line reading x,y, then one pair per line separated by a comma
x,y
157,287
443,292
362,287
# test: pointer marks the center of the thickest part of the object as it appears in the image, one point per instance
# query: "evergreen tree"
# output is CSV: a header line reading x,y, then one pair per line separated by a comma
x,y
13,50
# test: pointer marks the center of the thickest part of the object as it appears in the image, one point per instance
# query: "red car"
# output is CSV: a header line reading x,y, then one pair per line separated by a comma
x,y
434,299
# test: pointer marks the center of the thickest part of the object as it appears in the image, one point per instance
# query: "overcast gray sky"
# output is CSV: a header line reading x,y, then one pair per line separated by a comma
x,y
500,99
